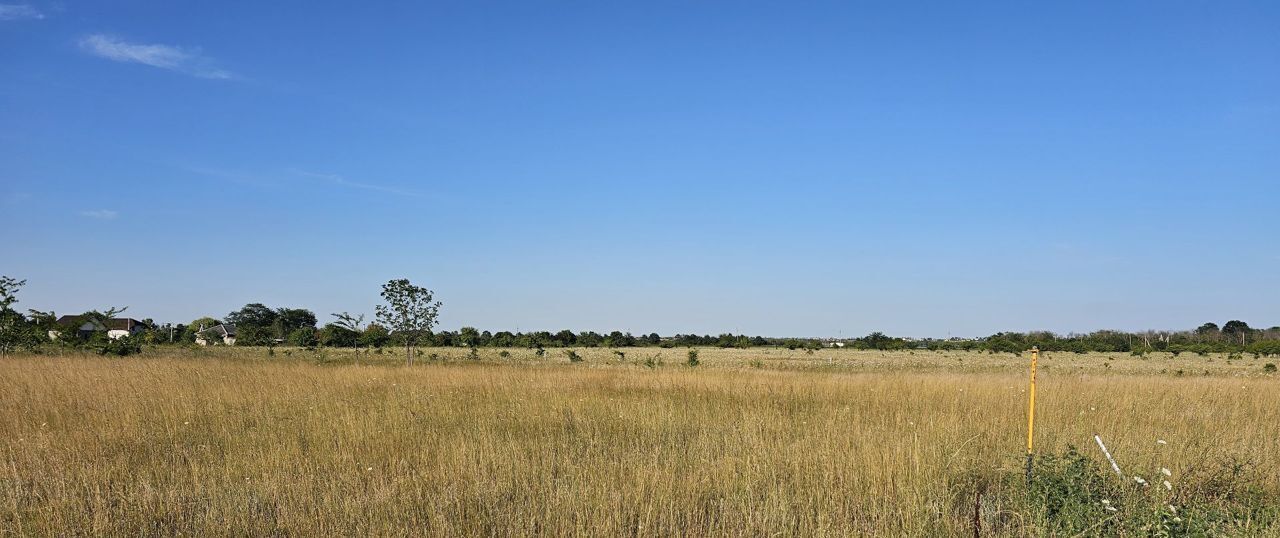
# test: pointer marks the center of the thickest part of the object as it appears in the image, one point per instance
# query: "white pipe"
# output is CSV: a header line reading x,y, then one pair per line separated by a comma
x,y
1107,453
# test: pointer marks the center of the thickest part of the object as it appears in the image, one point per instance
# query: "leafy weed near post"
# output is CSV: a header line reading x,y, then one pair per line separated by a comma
x,y
1071,494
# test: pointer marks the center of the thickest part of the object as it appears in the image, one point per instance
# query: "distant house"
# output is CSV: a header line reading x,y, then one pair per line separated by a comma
x,y
84,326
225,332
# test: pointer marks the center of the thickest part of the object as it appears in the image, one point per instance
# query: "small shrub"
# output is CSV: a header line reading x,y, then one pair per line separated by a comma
x,y
1269,368
1069,490
504,354
121,347
757,363
693,358
473,353
573,355
621,356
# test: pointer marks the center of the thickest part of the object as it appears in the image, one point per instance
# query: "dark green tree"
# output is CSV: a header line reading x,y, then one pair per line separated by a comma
x,y
15,331
252,315
289,320
469,336
1208,330
566,338
334,335
303,337
1236,330
374,335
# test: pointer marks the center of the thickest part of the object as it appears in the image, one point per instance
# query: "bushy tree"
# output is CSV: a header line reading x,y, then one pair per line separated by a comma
x,y
15,331
589,339
334,335
469,336
566,338
374,335
252,315
289,320
503,339
409,310
255,335
303,337
1236,330
200,324
1208,330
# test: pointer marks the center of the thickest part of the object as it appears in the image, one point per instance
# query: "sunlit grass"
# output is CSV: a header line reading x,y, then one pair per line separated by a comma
x,y
228,441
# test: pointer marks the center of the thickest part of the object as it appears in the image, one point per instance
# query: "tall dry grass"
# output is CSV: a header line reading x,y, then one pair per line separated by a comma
x,y
165,445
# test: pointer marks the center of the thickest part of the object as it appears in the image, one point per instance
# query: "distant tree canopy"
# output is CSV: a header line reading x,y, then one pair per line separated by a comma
x,y
252,315
257,325
409,314
203,323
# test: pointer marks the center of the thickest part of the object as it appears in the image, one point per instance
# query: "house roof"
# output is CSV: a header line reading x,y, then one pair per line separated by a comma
x,y
113,324
223,329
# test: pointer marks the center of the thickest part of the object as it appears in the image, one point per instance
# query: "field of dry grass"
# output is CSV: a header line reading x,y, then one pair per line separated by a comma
x,y
752,442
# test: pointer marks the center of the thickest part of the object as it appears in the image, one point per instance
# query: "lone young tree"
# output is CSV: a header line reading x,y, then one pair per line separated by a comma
x,y
409,312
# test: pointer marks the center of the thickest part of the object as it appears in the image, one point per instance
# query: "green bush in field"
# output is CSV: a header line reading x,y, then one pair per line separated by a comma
x,y
304,337
1074,495
1264,347
692,360
120,347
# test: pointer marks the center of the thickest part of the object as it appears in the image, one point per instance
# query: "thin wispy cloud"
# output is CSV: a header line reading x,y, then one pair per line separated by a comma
x,y
235,176
274,179
17,12
342,181
182,60
100,214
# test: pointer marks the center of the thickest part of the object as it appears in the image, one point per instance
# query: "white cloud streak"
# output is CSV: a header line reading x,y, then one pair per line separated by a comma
x,y
17,12
339,180
100,214
187,61
291,175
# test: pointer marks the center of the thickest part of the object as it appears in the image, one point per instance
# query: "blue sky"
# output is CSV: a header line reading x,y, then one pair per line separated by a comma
x,y
924,169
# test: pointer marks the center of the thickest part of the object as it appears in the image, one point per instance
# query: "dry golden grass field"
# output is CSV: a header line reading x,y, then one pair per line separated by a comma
x,y
761,442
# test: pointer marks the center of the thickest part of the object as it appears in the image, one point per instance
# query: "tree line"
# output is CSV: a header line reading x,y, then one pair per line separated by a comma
x,y
408,315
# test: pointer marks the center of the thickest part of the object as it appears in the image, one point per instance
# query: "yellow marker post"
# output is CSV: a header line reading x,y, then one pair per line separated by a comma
x,y
1031,410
